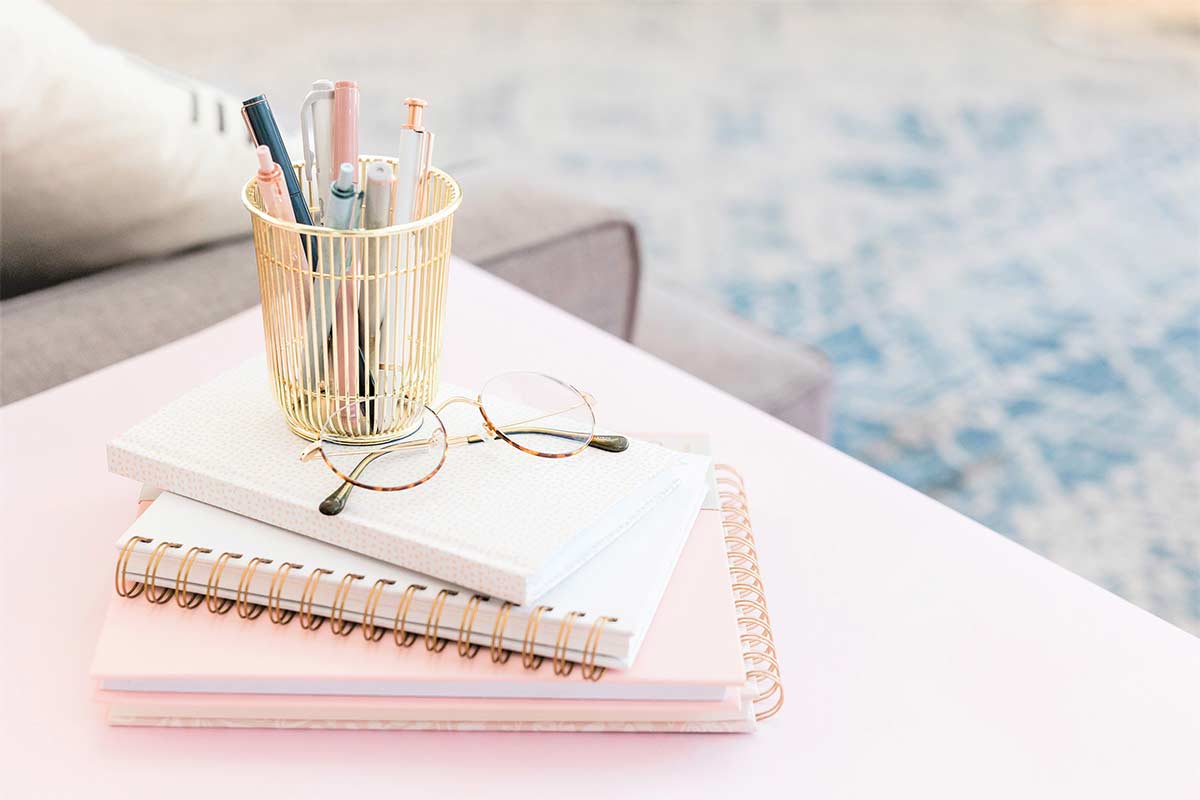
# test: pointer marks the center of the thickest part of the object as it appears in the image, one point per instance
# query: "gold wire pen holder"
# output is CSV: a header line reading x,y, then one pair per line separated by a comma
x,y
353,318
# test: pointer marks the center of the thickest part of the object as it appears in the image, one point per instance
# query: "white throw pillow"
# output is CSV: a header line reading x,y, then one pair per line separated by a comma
x,y
104,158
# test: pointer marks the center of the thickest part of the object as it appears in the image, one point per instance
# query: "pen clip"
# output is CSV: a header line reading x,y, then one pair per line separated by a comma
x,y
308,128
422,187
249,128
306,123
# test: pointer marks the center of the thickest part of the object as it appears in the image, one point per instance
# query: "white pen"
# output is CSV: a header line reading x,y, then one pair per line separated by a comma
x,y
316,128
412,162
407,206
379,195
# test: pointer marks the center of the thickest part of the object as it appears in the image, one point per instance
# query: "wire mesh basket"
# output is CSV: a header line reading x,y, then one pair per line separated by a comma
x,y
353,318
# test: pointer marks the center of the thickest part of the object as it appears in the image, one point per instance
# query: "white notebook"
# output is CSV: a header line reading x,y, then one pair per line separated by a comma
x,y
643,558
496,520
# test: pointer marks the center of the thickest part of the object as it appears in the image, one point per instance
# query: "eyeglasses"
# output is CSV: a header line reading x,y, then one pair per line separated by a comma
x,y
534,413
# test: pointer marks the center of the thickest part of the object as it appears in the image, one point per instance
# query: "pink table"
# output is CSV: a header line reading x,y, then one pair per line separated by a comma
x,y
922,653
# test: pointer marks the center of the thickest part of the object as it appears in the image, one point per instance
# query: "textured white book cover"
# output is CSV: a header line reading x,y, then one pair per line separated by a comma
x,y
494,519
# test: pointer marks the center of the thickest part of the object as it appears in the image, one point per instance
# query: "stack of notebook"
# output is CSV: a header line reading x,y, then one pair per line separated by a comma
x,y
608,591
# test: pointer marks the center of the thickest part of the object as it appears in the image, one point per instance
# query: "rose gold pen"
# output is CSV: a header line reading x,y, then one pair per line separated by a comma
x,y
416,150
408,205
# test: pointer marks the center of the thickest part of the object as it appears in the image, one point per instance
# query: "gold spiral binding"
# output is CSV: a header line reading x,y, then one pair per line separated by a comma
x,y
587,664
529,658
337,624
499,654
154,593
246,609
215,603
734,490
183,597
753,625
370,632
752,610
402,636
751,584
123,588
736,538
275,612
561,665
764,643
306,600
750,600
774,689
465,648
732,506
742,532
730,477
735,494
740,557
432,641
741,545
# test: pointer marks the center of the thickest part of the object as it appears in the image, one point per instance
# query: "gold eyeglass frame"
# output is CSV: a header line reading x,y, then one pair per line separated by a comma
x,y
336,501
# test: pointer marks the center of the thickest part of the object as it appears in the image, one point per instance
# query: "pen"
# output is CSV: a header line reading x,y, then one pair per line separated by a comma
x,y
261,122
275,200
271,186
345,125
379,194
421,207
380,184
316,128
274,194
413,149
273,191
338,301
408,205
341,197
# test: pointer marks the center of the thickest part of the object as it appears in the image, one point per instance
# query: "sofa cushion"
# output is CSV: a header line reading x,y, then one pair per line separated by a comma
x,y
64,331
107,158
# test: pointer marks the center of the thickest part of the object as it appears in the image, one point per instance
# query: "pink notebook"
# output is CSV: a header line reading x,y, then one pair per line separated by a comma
x,y
734,714
698,668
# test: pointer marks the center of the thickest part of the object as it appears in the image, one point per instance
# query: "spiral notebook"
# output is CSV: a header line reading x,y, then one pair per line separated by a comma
x,y
244,567
507,524
160,666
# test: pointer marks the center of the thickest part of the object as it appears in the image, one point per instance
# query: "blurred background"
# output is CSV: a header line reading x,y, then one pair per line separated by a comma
x,y
986,214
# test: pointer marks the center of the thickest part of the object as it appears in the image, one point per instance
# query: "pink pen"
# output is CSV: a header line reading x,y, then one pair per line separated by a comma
x,y
271,187
345,125
278,203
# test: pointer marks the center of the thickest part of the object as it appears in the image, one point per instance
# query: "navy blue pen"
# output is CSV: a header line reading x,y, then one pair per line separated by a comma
x,y
263,130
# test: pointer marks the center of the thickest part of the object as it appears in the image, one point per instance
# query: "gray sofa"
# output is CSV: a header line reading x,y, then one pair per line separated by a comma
x,y
579,256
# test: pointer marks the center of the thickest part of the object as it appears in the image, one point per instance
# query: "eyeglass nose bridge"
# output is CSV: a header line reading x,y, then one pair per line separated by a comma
x,y
471,401
452,400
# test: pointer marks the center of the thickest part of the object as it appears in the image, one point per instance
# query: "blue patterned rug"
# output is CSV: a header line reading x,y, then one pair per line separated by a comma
x,y
1009,287
988,216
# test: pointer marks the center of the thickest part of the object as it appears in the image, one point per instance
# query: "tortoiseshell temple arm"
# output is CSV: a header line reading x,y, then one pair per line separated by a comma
x,y
607,443
610,443
336,501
